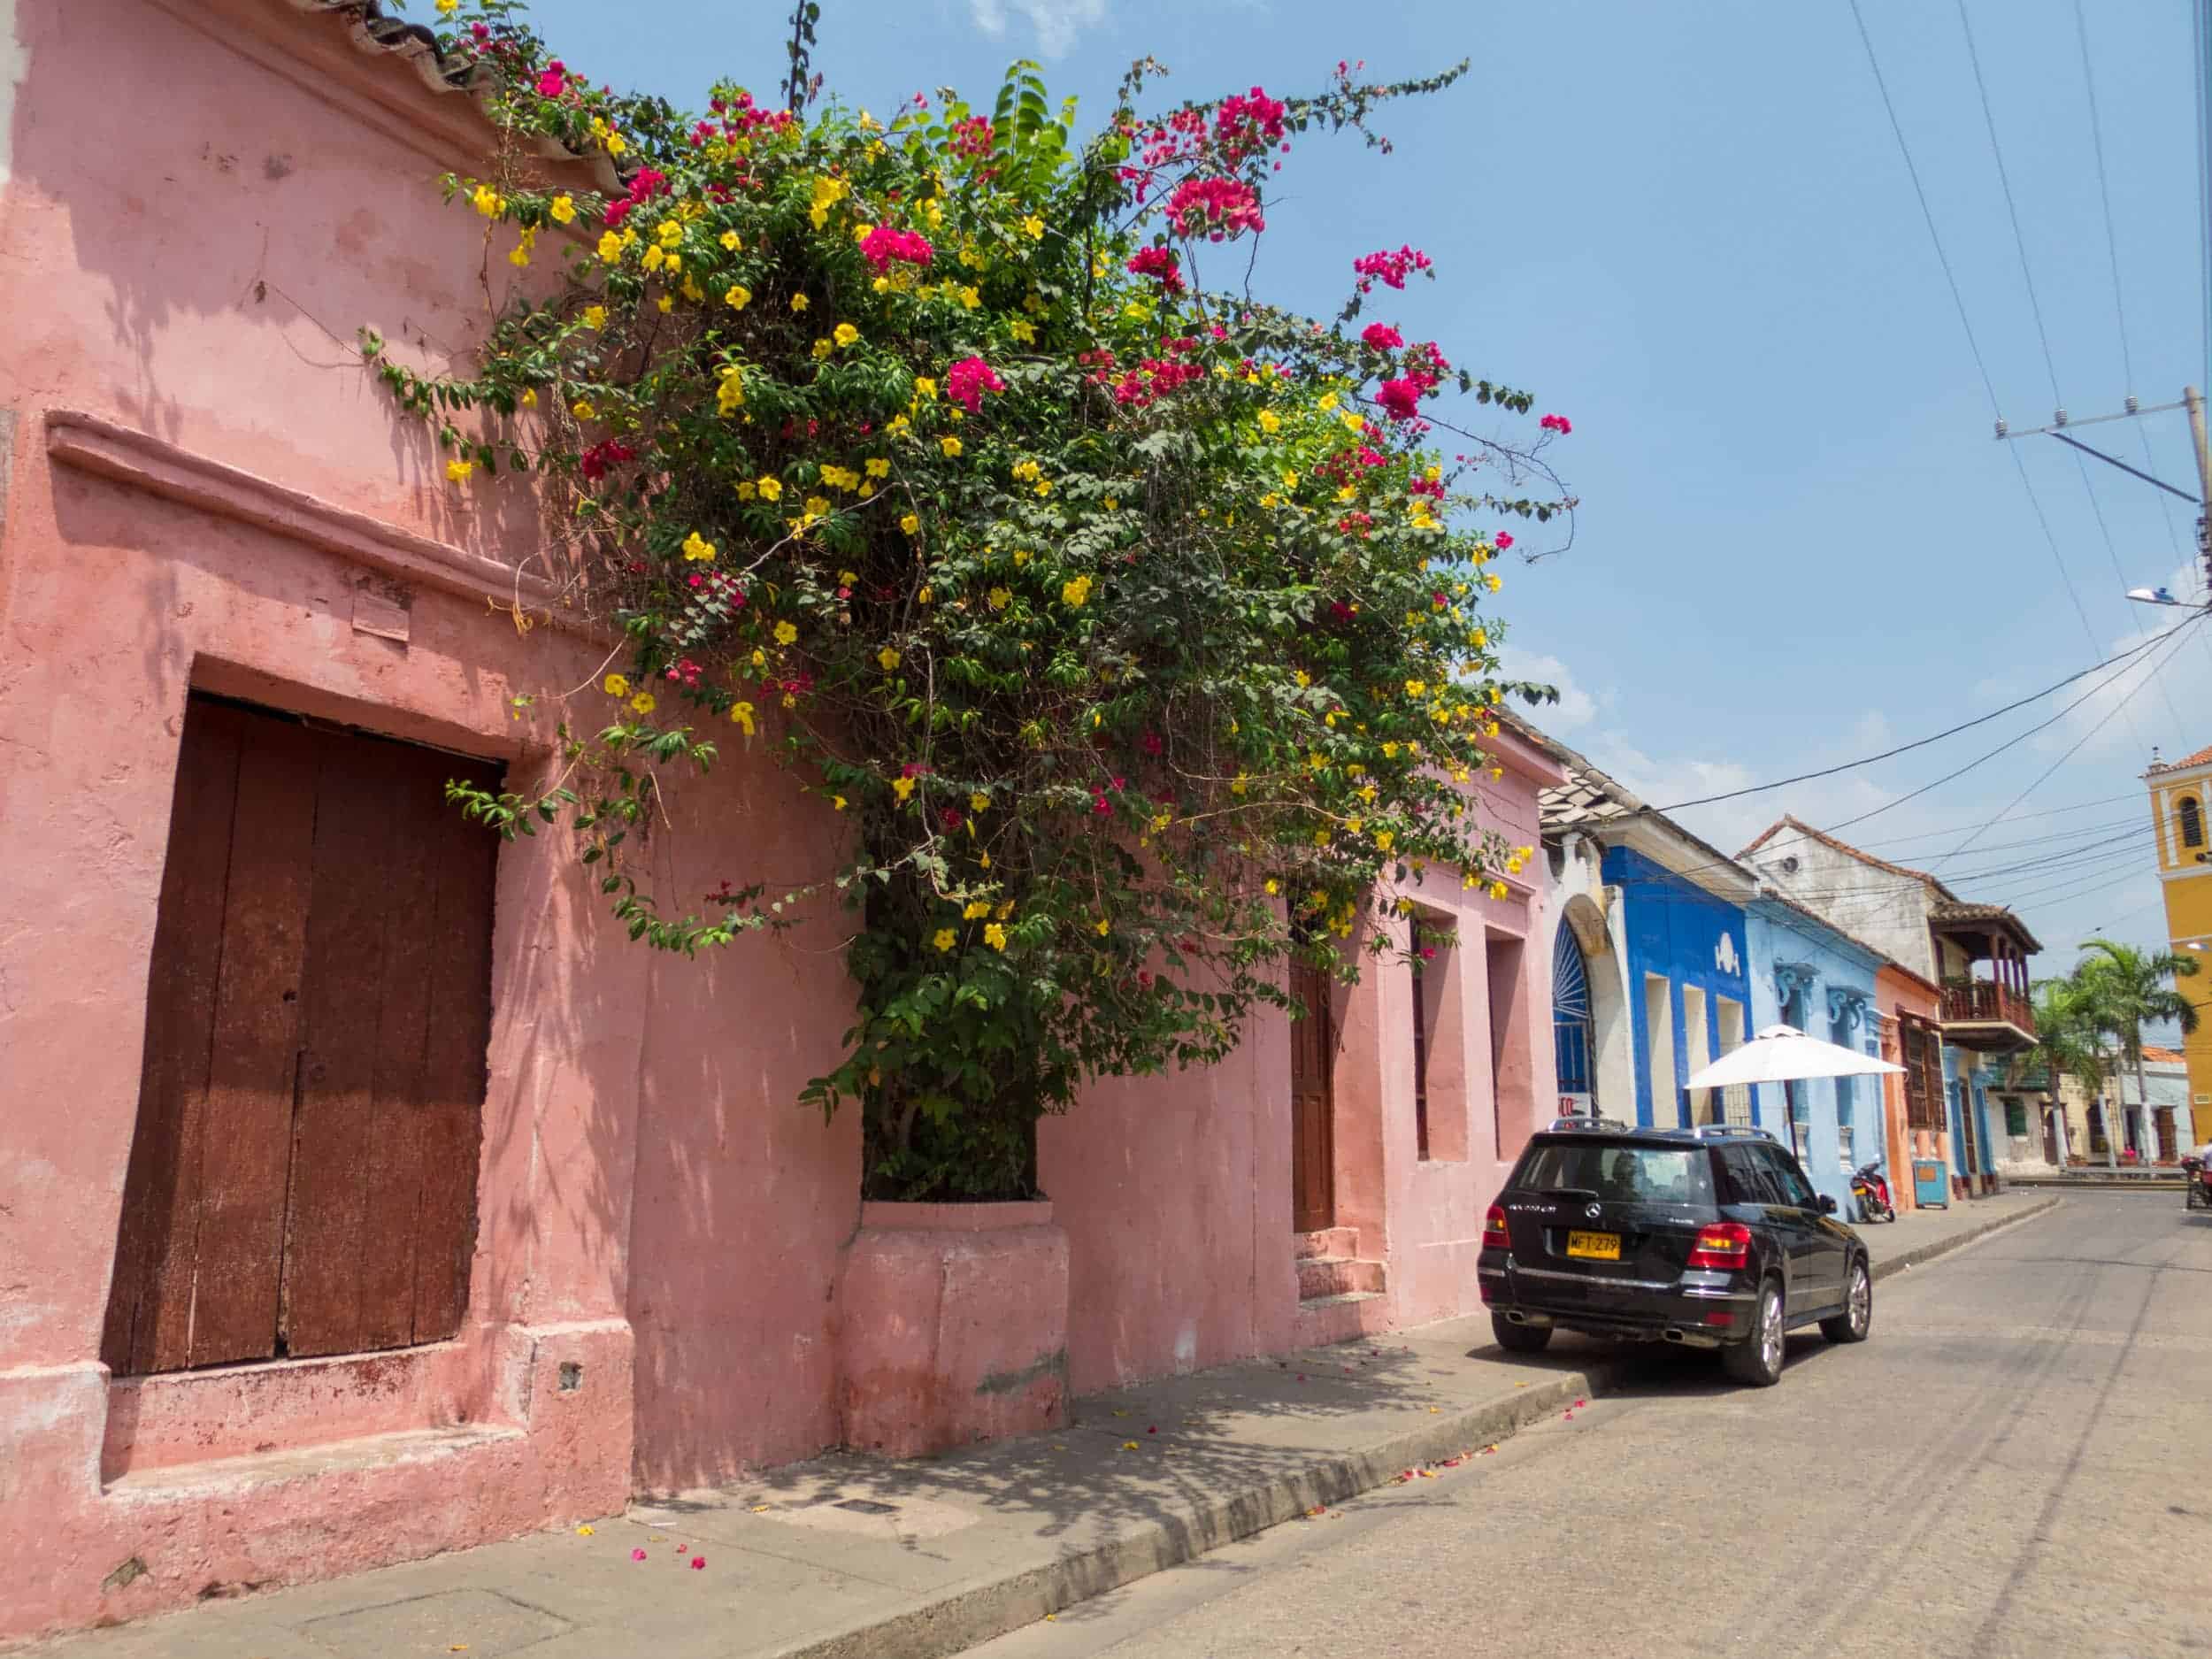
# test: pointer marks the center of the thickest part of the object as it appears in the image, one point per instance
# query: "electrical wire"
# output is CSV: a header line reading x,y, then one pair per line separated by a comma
x,y
2125,697
1904,749
2031,732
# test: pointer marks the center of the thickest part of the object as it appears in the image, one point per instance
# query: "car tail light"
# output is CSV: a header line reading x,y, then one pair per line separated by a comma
x,y
1721,1319
1724,1244
1495,1236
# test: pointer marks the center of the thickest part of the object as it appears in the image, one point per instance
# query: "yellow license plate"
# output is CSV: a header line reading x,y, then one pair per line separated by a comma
x,y
1596,1246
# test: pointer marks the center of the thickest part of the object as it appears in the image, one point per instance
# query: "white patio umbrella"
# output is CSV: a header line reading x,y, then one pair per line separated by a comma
x,y
1782,1054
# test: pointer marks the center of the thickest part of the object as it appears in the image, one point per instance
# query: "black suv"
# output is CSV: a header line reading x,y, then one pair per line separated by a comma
x,y
1709,1237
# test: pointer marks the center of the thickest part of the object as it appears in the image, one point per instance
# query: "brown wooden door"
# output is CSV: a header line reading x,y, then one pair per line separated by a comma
x,y
2050,1137
1312,1111
303,1179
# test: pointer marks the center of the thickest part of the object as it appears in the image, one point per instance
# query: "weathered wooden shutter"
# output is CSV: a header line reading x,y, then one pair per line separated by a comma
x,y
302,1180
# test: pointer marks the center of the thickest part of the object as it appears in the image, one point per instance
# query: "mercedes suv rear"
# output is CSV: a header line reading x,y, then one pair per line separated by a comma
x,y
1709,1237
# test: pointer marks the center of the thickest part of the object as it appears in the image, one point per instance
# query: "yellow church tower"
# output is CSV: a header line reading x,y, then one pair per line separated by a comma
x,y
2181,792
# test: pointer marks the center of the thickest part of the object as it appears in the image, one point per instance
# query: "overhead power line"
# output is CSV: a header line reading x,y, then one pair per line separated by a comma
x,y
2125,697
1906,748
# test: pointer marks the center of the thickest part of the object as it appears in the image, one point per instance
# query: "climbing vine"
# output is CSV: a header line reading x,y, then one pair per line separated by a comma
x,y
1138,634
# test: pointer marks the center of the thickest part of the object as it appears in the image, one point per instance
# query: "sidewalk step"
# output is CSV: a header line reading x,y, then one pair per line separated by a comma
x,y
1320,1276
1328,1241
1340,1319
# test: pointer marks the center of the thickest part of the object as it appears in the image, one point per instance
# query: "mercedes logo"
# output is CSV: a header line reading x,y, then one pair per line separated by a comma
x,y
1591,1211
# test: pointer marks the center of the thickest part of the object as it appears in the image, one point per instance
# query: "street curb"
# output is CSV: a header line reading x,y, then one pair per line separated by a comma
x,y
967,1615
1944,1247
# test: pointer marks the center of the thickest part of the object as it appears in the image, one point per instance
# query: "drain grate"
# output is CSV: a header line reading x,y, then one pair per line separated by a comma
x,y
866,1506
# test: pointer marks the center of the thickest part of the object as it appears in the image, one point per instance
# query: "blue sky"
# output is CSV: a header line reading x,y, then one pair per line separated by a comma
x,y
1688,228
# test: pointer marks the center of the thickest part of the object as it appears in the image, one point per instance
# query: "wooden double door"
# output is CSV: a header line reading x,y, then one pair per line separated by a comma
x,y
303,1176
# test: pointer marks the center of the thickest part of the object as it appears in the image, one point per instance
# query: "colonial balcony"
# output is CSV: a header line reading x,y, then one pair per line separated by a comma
x,y
1990,1012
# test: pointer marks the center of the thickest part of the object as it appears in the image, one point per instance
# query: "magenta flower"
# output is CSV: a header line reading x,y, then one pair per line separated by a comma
x,y
1382,336
554,81
967,381
1161,265
883,244
1400,399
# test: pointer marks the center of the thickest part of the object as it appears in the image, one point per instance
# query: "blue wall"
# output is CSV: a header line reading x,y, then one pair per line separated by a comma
x,y
1677,929
1829,975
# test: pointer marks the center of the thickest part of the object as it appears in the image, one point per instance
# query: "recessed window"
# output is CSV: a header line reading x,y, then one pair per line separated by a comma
x,y
1666,1110
2191,819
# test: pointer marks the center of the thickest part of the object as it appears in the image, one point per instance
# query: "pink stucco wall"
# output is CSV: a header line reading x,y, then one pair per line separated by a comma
x,y
202,200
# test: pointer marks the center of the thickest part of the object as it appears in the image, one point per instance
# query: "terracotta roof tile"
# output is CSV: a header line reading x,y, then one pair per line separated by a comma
x,y
2197,759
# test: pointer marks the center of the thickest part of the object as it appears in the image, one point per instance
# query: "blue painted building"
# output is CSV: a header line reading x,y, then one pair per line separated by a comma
x,y
1686,966
1811,974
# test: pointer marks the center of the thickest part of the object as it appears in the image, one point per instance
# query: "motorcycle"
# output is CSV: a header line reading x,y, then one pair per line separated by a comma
x,y
1871,1188
2196,1173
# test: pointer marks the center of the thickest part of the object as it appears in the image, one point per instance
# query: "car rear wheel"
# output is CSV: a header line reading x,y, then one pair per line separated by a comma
x,y
1852,1324
1758,1359
1519,1339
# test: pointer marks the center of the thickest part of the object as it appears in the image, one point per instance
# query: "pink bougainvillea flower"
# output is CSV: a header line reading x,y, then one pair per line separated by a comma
x,y
883,244
554,81
1505,540
1382,336
1390,269
1161,265
637,1555
967,381
1215,208
698,1564
1559,423
1400,399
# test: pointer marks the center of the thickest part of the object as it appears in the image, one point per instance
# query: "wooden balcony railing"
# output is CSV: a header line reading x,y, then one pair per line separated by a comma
x,y
1981,1001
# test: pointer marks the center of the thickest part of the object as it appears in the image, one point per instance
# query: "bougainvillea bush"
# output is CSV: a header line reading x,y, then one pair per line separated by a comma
x,y
1141,634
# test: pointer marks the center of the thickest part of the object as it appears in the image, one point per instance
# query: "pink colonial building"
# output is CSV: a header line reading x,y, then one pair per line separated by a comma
x,y
363,1192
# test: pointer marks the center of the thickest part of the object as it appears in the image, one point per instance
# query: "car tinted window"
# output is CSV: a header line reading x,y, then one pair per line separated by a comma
x,y
1789,1179
1752,1181
1619,1174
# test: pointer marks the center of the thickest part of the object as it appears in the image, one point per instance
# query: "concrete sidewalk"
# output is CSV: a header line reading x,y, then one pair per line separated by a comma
x,y
849,1556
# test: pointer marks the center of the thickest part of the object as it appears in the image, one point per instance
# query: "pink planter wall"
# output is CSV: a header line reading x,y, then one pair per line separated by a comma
x,y
952,1326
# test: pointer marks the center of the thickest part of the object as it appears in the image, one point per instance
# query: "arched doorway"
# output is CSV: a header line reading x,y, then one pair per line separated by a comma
x,y
1574,1029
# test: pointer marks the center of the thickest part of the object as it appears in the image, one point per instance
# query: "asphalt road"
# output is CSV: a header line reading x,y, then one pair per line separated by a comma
x,y
2018,1462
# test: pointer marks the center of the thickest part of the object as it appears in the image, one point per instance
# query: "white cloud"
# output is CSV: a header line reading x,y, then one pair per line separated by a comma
x,y
1576,707
1058,22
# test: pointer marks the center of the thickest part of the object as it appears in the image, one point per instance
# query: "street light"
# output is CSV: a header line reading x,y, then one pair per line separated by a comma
x,y
2157,596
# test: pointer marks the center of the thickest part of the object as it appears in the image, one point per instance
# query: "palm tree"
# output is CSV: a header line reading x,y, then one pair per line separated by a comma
x,y
2131,988
2069,1040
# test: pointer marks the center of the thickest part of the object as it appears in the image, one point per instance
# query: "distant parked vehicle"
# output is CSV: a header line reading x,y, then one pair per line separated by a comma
x,y
1871,1188
1706,1238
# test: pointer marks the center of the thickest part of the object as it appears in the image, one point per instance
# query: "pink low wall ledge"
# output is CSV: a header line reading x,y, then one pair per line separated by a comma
x,y
902,1217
